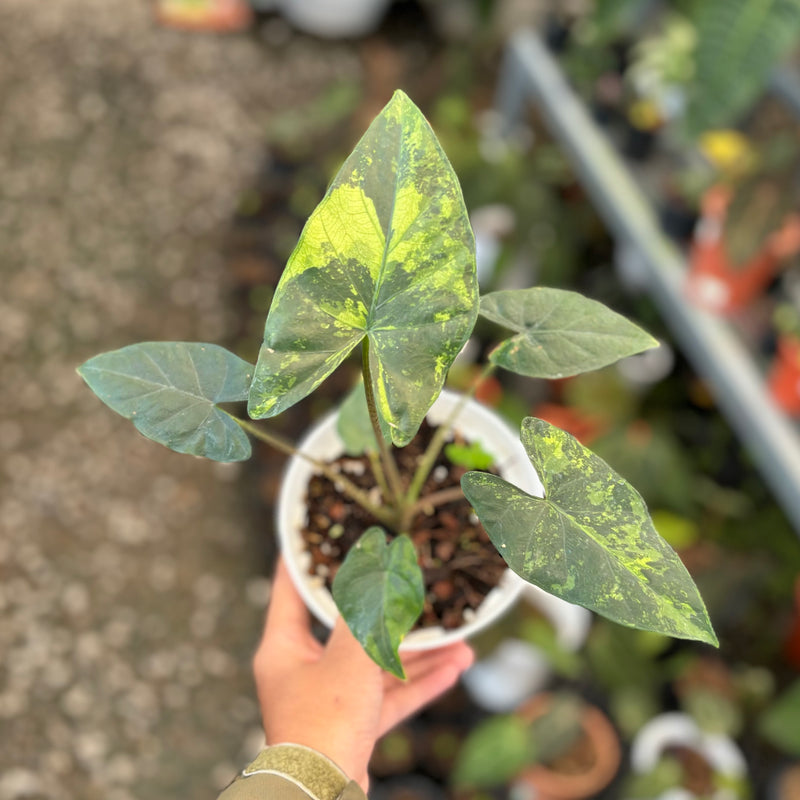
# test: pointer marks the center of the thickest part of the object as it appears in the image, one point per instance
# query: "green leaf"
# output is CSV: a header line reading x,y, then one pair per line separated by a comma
x,y
590,541
781,722
741,38
353,424
388,254
380,593
497,750
469,456
559,333
169,390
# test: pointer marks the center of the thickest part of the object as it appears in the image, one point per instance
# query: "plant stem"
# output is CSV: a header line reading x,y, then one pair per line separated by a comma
x,y
380,478
395,483
439,498
381,513
434,448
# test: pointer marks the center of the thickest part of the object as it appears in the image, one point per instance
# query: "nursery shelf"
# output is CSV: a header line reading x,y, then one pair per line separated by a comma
x,y
531,75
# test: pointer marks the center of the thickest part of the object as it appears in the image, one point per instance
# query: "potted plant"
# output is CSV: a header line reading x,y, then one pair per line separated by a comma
x,y
746,231
385,265
673,757
205,15
692,751
554,747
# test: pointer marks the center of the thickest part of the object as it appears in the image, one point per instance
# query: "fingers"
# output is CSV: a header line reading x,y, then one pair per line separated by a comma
x,y
430,674
419,662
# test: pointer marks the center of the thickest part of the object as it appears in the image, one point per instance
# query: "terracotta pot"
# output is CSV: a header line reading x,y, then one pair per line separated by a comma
x,y
783,380
786,786
604,755
476,423
209,16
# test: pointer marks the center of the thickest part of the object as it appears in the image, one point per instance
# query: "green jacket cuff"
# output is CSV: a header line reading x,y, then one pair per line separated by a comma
x,y
292,771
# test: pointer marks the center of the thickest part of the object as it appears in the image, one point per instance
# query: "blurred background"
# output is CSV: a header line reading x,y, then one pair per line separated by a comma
x,y
157,163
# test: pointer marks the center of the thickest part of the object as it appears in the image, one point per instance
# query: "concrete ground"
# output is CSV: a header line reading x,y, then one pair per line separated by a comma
x,y
131,578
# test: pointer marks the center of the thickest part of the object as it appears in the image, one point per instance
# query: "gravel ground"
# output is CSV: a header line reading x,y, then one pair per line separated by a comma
x,y
131,588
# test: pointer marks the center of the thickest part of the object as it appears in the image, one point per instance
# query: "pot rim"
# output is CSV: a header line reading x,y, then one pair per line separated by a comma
x,y
679,728
323,440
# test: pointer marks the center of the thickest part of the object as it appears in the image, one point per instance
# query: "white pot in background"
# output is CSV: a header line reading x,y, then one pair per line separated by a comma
x,y
516,669
476,423
677,728
334,19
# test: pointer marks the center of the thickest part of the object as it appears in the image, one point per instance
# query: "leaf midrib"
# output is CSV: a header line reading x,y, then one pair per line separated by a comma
x,y
160,387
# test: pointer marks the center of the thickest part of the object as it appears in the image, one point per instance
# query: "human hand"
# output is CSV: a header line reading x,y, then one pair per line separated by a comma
x,y
333,697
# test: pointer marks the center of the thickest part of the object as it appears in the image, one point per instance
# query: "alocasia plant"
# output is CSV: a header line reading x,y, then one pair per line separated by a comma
x,y
387,263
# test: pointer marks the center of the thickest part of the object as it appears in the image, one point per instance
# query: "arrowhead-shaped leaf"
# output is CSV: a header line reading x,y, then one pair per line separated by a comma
x,y
559,333
388,254
353,424
380,593
590,540
169,390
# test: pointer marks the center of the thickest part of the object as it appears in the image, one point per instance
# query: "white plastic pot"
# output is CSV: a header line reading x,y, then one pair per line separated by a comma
x,y
517,669
476,423
676,728
334,19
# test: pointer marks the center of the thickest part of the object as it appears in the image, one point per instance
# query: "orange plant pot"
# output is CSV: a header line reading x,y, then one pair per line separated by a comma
x,y
205,15
604,754
783,380
717,284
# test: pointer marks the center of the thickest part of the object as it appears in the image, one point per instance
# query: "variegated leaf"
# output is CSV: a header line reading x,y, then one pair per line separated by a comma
x,y
388,254
590,540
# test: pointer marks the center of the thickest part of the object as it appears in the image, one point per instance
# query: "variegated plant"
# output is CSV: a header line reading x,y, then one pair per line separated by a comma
x,y
387,263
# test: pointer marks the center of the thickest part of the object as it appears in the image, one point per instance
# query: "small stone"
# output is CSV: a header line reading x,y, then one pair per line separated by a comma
x,y
57,674
163,575
120,768
57,761
117,632
175,696
202,624
217,663
443,590
208,588
18,782
257,590
90,747
77,702
89,648
13,704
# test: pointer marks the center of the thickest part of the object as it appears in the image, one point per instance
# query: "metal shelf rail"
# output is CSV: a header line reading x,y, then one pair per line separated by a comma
x,y
531,75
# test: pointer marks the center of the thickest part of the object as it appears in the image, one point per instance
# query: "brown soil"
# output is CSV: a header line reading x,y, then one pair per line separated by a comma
x,y
578,759
459,563
698,775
